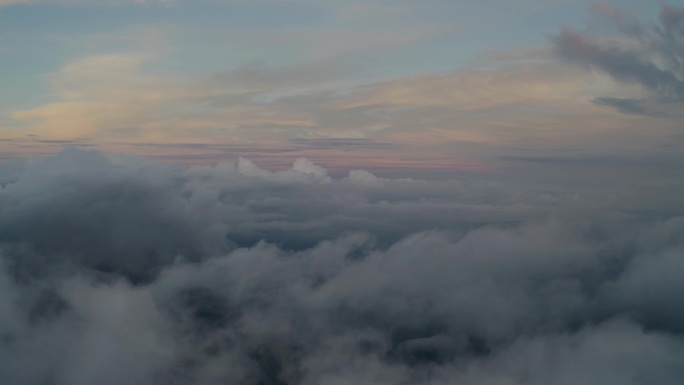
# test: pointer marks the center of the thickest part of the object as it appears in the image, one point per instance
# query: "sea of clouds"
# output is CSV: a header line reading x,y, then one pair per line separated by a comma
x,y
115,269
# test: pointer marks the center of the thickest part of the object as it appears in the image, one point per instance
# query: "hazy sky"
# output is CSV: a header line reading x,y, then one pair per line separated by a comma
x,y
435,86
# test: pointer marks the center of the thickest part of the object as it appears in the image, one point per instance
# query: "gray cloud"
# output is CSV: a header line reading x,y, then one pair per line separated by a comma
x,y
627,105
114,269
649,55
672,18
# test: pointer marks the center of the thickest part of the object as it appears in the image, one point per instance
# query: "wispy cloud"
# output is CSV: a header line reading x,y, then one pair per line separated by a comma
x,y
118,97
518,98
651,56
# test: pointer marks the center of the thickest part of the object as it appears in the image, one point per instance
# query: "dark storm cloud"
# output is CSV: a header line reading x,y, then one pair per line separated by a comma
x,y
650,55
116,270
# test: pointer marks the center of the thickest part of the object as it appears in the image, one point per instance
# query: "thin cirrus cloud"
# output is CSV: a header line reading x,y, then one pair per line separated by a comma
x,y
113,98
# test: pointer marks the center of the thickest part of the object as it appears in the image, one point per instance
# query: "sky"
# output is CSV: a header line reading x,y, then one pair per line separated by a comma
x,y
329,192
401,87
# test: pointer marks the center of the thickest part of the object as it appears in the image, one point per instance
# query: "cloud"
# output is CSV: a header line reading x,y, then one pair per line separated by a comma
x,y
672,17
115,269
329,110
651,56
626,105
622,65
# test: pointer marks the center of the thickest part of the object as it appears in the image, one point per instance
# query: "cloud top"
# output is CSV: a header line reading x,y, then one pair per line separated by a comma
x,y
116,269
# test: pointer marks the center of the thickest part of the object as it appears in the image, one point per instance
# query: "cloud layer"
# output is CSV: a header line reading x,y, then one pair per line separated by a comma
x,y
118,270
